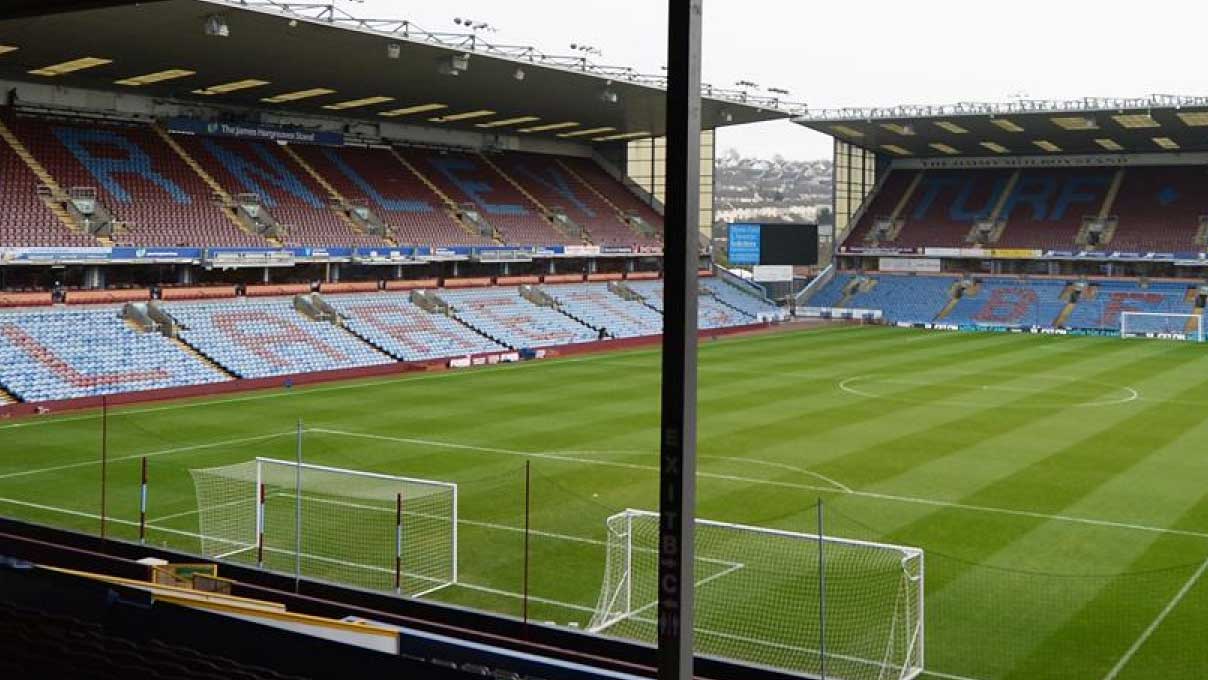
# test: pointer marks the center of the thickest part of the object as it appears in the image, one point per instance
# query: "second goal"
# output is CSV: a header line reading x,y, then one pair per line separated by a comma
x,y
365,529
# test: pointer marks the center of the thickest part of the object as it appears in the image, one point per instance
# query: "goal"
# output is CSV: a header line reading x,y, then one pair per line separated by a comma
x,y
345,526
1162,325
780,599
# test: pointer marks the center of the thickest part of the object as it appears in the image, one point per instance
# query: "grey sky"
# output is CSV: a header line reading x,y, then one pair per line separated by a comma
x,y
874,52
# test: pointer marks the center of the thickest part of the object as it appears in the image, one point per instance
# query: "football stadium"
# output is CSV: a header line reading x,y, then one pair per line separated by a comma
x,y
333,345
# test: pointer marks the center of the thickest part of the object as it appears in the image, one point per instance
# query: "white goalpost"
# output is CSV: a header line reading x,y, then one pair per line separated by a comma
x,y
1162,325
780,599
352,527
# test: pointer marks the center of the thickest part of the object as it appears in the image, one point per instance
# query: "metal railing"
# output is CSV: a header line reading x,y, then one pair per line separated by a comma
x,y
1080,105
329,13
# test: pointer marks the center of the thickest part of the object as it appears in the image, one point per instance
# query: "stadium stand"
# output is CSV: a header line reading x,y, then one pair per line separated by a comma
x,y
1159,209
557,189
290,195
595,305
1155,209
745,302
1045,209
613,191
906,298
505,316
945,205
377,179
1112,298
262,338
468,178
27,220
710,313
831,295
407,332
1010,302
882,204
67,354
154,196
1040,208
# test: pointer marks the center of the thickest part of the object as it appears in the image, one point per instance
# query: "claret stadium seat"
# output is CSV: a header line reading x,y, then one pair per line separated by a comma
x,y
138,178
467,178
290,195
375,177
551,183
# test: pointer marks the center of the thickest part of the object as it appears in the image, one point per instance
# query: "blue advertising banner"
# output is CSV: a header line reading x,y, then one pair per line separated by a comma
x,y
744,244
254,131
156,253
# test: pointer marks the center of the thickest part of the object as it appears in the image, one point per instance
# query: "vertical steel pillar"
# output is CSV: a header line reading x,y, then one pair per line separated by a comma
x,y
677,464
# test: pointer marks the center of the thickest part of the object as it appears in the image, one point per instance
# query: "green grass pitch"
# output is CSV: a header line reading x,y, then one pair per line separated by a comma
x,y
1058,485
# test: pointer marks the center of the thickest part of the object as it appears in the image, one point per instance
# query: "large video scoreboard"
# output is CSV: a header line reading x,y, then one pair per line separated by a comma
x,y
756,244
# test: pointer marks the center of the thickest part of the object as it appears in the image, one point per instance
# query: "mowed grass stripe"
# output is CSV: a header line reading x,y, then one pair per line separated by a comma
x,y
884,459
822,434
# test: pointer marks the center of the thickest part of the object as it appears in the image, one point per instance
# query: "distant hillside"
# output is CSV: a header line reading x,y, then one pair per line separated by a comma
x,y
771,190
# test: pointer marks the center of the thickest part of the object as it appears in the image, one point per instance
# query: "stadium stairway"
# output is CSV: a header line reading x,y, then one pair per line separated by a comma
x,y
952,302
219,191
6,398
332,192
543,210
192,351
1193,297
44,177
452,207
855,288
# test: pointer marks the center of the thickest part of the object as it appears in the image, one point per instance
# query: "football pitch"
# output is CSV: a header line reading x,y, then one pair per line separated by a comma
x,y
1057,485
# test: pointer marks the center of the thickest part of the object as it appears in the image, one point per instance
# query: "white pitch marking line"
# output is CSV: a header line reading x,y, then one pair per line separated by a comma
x,y
635,614
846,385
805,487
469,586
1145,635
151,454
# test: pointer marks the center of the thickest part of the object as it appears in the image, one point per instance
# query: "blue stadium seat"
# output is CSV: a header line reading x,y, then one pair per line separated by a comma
x,y
264,338
68,354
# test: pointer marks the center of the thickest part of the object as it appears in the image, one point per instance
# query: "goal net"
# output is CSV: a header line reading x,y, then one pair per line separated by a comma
x,y
784,600
345,526
1162,325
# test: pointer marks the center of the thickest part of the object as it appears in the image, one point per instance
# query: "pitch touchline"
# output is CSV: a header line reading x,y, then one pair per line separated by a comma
x,y
767,482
